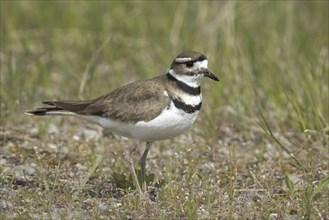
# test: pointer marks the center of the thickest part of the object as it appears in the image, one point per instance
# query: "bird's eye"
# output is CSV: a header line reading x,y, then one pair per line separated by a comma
x,y
189,64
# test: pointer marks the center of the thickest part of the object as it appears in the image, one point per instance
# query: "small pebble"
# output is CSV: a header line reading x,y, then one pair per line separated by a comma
x,y
53,129
102,207
274,216
3,162
5,205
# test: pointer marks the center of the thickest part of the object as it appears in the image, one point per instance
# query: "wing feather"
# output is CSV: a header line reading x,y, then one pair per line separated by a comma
x,y
138,101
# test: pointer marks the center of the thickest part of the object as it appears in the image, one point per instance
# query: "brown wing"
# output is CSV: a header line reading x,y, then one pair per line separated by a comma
x,y
138,101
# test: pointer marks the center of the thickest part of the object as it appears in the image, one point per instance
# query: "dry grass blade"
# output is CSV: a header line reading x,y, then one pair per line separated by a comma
x,y
92,61
269,133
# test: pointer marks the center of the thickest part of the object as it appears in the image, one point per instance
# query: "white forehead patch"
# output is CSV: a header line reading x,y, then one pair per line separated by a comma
x,y
183,59
200,64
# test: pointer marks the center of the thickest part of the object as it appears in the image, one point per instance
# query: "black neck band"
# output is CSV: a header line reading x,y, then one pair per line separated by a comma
x,y
186,108
183,86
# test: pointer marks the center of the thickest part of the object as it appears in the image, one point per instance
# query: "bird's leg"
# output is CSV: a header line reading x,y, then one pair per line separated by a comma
x,y
130,160
143,163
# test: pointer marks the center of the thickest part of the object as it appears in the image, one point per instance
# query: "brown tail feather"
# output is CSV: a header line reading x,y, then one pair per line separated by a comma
x,y
60,108
71,106
45,111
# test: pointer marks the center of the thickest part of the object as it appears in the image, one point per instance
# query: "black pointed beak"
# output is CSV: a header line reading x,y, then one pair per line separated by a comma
x,y
210,75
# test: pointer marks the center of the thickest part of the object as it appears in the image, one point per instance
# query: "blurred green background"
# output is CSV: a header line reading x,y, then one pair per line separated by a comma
x,y
259,149
271,56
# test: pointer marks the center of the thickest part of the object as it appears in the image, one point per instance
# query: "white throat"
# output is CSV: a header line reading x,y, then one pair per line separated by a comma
x,y
193,81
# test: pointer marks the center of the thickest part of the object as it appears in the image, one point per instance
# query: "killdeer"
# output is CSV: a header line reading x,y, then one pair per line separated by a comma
x,y
145,111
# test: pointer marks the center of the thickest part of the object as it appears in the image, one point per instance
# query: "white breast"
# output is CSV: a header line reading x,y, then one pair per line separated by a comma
x,y
170,123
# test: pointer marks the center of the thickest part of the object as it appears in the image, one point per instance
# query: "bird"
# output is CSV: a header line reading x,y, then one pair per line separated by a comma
x,y
149,110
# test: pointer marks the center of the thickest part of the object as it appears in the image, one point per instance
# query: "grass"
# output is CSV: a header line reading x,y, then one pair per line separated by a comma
x,y
259,149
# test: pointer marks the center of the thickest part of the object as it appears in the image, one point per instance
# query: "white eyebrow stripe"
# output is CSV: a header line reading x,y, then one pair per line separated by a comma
x,y
183,59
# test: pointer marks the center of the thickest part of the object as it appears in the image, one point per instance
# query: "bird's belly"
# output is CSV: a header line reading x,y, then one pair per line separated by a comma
x,y
170,123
